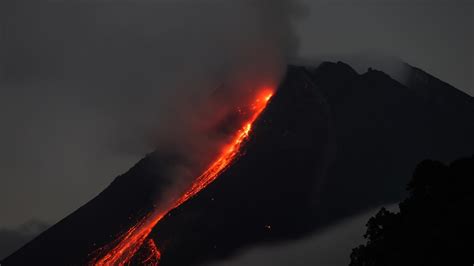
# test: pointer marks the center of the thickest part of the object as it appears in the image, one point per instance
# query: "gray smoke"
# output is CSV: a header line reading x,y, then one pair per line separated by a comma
x,y
88,87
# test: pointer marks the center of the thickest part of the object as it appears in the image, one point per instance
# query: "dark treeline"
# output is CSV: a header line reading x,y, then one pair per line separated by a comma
x,y
435,224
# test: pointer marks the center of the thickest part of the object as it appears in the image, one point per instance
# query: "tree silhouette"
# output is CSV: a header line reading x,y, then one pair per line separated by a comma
x,y
435,224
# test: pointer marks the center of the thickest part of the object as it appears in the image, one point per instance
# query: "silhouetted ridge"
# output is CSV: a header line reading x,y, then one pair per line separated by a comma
x,y
334,76
437,91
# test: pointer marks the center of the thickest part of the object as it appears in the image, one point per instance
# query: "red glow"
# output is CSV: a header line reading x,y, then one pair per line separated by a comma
x,y
154,256
122,250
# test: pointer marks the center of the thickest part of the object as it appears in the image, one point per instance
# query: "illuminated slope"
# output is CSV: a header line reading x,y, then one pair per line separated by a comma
x,y
272,175
122,250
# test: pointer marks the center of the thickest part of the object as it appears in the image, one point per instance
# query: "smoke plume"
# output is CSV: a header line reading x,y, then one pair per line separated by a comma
x,y
90,86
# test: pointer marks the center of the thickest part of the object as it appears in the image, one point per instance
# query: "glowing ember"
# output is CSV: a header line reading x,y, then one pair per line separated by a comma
x,y
122,250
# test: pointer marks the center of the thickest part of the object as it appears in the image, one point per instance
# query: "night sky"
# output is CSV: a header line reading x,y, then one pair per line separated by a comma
x,y
71,121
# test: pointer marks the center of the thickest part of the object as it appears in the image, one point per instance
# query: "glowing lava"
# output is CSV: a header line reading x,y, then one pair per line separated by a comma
x,y
154,256
124,248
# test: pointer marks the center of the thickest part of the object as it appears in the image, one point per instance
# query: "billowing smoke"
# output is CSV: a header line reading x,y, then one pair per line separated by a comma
x,y
88,87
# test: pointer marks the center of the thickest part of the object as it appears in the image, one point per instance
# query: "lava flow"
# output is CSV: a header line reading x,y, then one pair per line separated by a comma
x,y
124,248
154,257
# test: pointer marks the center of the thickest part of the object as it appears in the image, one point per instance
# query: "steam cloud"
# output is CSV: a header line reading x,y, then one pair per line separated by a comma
x,y
88,87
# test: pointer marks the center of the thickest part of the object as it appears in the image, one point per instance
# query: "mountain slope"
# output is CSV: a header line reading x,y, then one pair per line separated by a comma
x,y
384,128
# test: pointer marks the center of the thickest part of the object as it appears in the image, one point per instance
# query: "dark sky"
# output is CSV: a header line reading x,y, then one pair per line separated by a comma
x,y
83,86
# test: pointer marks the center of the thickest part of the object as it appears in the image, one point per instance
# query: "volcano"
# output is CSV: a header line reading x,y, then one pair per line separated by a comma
x,y
329,143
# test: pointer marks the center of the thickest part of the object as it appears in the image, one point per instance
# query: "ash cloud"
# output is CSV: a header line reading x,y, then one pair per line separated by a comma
x,y
88,87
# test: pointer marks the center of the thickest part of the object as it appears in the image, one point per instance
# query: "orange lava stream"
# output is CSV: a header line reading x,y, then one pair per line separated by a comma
x,y
126,246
